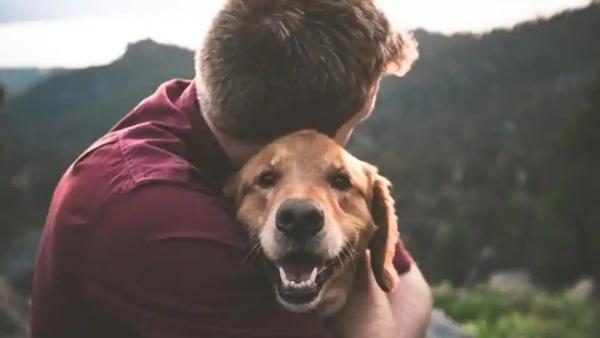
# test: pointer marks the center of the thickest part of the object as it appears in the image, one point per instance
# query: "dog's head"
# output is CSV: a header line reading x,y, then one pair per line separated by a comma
x,y
312,208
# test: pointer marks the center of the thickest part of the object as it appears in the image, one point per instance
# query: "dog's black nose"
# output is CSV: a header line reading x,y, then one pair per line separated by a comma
x,y
299,218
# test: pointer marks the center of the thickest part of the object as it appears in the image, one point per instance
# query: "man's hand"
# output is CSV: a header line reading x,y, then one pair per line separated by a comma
x,y
411,304
370,312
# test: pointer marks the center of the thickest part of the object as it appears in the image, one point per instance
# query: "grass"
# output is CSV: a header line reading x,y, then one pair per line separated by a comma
x,y
520,313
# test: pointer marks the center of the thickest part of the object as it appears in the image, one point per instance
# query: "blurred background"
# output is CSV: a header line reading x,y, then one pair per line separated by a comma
x,y
492,142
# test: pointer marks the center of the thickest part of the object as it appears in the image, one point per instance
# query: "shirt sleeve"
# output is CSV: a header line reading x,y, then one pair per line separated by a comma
x,y
167,261
402,258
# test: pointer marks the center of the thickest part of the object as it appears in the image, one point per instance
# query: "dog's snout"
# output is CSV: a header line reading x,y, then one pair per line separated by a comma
x,y
299,218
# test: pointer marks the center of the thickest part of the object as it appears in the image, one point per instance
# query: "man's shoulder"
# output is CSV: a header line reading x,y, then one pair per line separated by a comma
x,y
150,152
150,143
119,167
107,169
159,149
153,210
167,210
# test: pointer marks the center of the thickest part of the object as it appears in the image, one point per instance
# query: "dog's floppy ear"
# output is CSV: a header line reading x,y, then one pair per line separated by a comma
x,y
233,188
383,243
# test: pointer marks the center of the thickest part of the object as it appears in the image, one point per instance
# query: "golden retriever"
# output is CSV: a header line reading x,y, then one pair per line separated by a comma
x,y
312,210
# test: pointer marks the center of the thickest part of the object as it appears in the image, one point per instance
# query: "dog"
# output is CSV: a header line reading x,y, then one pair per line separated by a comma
x,y
312,210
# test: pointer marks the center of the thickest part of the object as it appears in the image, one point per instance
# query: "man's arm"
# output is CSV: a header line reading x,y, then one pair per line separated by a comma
x,y
370,312
166,262
411,304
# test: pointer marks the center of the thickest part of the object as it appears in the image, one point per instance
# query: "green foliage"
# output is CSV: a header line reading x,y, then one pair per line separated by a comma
x,y
451,250
487,313
571,230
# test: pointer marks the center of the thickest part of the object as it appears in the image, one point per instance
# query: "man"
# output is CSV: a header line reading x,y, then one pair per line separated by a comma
x,y
139,241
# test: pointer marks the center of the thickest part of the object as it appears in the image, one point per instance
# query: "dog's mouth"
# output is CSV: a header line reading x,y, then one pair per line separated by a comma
x,y
299,277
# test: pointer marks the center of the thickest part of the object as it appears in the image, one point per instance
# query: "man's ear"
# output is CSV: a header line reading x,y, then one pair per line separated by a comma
x,y
383,243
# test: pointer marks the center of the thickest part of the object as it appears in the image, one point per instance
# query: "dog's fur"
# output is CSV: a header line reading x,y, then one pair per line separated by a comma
x,y
361,216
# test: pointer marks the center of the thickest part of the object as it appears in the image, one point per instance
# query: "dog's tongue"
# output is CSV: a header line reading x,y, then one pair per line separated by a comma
x,y
299,267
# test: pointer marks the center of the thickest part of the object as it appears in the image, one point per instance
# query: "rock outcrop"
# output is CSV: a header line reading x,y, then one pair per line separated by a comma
x,y
13,312
442,326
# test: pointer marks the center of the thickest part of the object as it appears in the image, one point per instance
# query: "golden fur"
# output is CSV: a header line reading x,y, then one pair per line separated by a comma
x,y
358,218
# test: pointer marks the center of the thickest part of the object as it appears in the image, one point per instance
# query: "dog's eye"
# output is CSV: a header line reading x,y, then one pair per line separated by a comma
x,y
340,181
268,179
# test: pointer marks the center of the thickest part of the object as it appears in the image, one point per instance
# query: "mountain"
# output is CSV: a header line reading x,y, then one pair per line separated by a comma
x,y
470,137
18,80
84,103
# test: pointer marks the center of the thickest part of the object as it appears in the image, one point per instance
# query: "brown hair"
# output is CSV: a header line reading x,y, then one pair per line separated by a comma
x,y
271,67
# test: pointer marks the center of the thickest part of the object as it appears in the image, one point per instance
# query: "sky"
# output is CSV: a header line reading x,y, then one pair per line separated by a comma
x,y
81,33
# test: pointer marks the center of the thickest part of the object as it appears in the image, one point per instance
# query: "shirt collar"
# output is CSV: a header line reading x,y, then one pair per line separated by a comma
x,y
205,151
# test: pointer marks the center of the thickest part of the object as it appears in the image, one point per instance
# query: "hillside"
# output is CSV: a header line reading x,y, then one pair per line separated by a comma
x,y
84,103
470,138
18,80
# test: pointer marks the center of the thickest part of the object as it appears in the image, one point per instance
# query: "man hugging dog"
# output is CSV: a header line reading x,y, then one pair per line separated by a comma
x,y
140,240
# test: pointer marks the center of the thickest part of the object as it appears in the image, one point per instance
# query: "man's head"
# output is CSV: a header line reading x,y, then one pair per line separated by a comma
x,y
271,67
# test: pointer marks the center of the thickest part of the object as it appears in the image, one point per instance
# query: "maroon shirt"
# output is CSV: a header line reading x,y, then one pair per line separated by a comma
x,y
140,243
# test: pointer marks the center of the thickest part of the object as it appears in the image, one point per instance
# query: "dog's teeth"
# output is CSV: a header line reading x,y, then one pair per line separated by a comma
x,y
313,275
286,282
282,274
308,283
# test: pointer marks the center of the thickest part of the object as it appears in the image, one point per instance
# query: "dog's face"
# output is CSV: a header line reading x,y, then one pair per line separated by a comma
x,y
311,208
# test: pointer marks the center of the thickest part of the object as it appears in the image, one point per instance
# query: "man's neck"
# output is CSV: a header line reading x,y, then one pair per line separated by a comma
x,y
237,151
